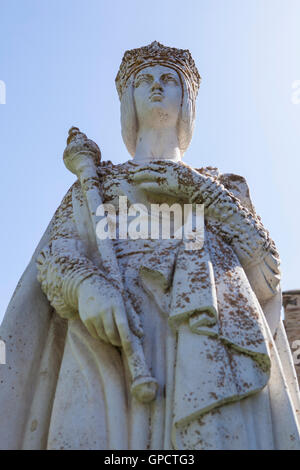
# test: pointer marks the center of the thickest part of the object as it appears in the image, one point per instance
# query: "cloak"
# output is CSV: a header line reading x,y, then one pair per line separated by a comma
x,y
35,338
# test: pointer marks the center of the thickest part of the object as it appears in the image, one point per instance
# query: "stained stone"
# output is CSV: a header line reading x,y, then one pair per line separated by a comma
x,y
141,343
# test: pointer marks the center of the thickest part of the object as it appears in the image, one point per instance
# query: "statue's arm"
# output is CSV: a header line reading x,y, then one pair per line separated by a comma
x,y
264,271
64,263
267,264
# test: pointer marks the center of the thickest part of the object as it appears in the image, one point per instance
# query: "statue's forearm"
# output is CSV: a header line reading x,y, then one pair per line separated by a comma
x,y
236,223
63,264
60,272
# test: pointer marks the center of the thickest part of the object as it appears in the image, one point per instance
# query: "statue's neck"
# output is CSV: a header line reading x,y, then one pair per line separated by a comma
x,y
157,144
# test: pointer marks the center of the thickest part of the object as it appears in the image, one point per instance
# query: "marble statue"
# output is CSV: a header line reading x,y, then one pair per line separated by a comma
x,y
124,343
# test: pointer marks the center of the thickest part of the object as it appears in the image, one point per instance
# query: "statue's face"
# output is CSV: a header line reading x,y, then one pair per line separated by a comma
x,y
157,96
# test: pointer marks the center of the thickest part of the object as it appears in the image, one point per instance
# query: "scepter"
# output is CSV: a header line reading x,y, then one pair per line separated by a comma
x,y
83,165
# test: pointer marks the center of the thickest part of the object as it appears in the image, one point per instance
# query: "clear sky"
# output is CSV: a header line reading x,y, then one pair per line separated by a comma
x,y
59,58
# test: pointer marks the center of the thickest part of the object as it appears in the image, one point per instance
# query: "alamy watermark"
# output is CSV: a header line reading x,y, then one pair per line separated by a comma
x,y
295,96
159,221
2,92
2,352
296,354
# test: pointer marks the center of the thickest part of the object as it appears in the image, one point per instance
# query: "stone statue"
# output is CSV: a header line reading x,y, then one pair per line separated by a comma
x,y
140,343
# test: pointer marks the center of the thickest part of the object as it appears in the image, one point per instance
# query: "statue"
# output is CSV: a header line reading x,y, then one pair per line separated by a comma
x,y
140,343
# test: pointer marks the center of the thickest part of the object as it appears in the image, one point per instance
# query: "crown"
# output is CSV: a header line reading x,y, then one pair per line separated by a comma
x,y
153,54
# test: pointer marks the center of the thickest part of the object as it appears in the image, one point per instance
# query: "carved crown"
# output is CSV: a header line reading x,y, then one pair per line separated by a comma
x,y
155,53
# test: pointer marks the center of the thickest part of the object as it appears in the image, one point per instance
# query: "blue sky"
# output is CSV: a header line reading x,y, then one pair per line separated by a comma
x,y
59,58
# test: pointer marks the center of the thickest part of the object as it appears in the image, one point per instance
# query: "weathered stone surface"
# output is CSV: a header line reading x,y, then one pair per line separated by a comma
x,y
291,304
139,342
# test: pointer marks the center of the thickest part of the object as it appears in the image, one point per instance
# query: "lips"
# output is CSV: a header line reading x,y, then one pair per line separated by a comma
x,y
156,96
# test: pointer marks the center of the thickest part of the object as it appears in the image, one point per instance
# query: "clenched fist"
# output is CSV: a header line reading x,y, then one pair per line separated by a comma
x,y
98,303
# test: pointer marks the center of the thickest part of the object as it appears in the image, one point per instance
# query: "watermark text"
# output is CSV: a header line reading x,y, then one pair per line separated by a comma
x,y
295,96
2,352
296,353
2,92
159,221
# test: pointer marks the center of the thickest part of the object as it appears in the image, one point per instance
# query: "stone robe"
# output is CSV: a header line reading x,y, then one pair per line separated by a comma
x,y
213,338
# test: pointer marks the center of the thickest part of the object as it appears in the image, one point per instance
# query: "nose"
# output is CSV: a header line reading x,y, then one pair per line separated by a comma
x,y
156,86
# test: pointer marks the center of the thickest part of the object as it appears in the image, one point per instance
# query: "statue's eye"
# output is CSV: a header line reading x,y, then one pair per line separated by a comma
x,y
168,78
142,79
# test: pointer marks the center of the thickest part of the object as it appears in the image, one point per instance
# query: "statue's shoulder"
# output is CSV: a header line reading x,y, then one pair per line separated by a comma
x,y
209,171
106,166
63,216
236,184
65,208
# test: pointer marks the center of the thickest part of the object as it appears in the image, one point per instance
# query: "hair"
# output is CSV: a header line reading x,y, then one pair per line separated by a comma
x,y
186,121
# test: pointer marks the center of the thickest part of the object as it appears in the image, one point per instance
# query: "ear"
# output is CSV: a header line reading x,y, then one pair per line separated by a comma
x,y
186,121
128,118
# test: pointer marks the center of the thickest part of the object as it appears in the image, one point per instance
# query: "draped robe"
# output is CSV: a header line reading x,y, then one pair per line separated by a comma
x,y
213,339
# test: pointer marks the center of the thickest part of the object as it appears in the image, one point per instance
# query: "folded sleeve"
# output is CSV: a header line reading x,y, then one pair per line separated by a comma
x,y
264,273
63,263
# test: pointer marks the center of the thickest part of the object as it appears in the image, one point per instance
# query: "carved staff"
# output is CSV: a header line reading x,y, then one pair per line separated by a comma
x,y
82,164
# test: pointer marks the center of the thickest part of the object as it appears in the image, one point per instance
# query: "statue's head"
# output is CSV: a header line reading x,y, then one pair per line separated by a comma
x,y
157,86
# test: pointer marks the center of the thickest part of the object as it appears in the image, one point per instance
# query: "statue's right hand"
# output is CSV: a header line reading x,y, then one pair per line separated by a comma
x,y
99,303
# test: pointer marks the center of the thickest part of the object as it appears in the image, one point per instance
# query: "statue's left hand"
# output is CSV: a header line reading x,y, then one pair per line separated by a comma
x,y
166,177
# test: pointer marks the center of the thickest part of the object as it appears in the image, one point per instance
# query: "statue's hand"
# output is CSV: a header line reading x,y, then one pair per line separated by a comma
x,y
166,177
98,302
